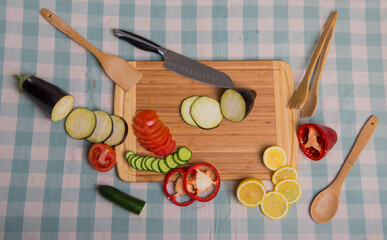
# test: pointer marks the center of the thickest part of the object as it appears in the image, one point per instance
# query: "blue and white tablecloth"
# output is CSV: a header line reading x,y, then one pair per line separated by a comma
x,y
47,186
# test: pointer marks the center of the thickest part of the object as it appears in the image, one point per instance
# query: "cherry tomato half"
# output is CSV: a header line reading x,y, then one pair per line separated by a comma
x,y
202,178
102,157
178,188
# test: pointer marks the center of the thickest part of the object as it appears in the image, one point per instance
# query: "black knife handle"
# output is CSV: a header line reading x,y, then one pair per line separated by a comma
x,y
138,41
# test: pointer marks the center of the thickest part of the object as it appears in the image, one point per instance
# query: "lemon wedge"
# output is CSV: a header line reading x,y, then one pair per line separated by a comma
x,y
285,172
274,157
251,192
290,188
275,206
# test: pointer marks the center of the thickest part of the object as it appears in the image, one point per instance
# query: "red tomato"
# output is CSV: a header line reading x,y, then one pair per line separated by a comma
x,y
167,150
161,137
146,114
145,118
152,136
157,146
102,157
148,130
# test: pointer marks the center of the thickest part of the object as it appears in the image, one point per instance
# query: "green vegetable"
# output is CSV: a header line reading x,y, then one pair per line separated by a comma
x,y
130,203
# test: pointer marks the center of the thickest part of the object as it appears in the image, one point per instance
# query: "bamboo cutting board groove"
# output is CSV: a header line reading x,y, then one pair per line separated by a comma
x,y
235,149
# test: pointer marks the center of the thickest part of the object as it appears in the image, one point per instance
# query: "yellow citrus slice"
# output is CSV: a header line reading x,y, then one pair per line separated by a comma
x,y
282,173
274,157
251,192
275,206
290,188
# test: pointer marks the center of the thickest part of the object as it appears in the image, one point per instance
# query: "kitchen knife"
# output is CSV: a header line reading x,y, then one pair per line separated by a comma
x,y
178,63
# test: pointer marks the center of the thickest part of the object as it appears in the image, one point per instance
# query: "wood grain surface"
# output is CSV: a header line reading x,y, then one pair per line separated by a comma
x,y
235,149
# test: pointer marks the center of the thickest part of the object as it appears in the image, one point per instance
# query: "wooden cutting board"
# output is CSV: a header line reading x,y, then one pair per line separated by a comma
x,y
235,149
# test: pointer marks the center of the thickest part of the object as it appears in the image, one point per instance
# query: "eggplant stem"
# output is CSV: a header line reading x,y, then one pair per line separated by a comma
x,y
21,81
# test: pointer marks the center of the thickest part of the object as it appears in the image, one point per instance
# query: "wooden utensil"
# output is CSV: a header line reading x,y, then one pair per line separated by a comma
x,y
299,96
310,105
118,70
326,203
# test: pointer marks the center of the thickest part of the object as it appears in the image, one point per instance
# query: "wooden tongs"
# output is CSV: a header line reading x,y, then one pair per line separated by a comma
x,y
301,97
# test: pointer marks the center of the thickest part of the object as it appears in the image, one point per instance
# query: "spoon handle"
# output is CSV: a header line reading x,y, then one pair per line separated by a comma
x,y
362,139
60,24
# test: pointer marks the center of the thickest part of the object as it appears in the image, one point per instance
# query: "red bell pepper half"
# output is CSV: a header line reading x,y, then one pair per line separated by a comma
x,y
316,140
202,178
178,188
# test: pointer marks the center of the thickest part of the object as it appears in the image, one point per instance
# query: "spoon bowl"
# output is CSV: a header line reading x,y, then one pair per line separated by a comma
x,y
326,203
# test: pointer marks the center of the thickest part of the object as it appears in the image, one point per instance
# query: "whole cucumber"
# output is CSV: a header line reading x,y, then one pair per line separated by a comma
x,y
130,203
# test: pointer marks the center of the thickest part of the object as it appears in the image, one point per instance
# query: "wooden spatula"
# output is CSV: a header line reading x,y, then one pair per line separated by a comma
x,y
118,70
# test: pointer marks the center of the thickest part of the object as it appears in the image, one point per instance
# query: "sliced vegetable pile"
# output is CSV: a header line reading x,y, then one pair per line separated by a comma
x,y
96,126
208,113
199,182
54,101
160,165
287,190
153,135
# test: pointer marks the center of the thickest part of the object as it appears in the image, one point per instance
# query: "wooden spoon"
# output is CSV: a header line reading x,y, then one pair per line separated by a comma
x,y
326,203
118,70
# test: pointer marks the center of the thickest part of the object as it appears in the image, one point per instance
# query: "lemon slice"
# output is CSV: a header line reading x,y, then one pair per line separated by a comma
x,y
285,172
290,188
251,192
274,157
275,206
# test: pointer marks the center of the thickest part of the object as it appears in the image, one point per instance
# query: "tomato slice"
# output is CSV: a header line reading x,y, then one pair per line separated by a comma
x,y
170,148
151,136
316,140
146,121
102,157
146,114
149,140
178,188
202,178
148,130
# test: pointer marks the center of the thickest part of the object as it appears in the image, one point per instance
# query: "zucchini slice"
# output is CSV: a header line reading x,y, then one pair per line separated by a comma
x,y
54,101
206,113
80,123
177,160
163,166
148,163
184,154
143,166
170,162
132,161
185,110
128,154
103,129
120,130
155,165
138,163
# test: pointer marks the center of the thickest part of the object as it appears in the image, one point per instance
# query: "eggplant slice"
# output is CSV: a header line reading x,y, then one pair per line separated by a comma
x,y
206,113
185,110
54,101
80,123
120,131
103,129
236,104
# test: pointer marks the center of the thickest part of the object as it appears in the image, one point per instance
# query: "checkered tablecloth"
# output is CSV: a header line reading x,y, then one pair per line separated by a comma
x,y
47,186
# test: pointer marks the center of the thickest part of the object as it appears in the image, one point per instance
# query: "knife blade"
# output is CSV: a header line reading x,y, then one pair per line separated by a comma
x,y
178,63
